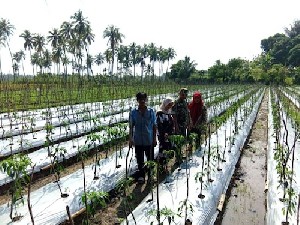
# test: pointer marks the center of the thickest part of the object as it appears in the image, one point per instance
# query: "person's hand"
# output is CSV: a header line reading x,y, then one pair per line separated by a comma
x,y
154,142
130,142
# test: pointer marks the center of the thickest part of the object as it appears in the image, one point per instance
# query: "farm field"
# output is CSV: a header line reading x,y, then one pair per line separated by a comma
x,y
71,162
70,86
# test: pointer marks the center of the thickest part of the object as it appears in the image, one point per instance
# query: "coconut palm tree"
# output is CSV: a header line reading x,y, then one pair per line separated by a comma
x,y
121,54
144,55
108,56
18,57
65,62
66,33
47,60
99,60
39,44
89,64
6,30
22,56
133,49
56,40
170,55
79,22
162,57
153,53
82,33
126,59
88,38
149,70
2,44
114,38
16,61
138,58
36,60
28,44
57,54
15,69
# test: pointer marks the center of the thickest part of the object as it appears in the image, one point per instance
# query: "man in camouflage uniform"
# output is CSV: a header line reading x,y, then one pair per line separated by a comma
x,y
181,113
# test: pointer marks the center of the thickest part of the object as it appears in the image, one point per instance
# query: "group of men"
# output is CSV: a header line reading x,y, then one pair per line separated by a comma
x,y
173,117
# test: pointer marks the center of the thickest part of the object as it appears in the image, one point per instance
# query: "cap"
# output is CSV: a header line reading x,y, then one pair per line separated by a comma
x,y
184,90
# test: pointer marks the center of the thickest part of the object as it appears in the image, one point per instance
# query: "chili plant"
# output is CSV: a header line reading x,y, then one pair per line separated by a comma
x,y
166,215
92,140
122,189
178,141
59,152
16,168
95,199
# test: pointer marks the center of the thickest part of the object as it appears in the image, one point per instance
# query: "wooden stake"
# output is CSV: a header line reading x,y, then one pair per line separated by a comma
x,y
266,186
69,215
221,202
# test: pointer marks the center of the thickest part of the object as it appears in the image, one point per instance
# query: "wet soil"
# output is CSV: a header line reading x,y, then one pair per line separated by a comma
x,y
245,198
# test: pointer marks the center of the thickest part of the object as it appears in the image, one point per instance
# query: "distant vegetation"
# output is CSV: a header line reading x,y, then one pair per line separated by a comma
x,y
65,52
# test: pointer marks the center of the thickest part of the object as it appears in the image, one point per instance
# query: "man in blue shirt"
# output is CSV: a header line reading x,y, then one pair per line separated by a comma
x,y
142,133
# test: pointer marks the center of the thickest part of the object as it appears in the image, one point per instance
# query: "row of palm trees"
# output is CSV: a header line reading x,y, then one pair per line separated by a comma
x,y
70,46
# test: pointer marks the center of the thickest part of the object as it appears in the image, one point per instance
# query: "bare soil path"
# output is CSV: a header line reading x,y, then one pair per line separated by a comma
x,y
245,202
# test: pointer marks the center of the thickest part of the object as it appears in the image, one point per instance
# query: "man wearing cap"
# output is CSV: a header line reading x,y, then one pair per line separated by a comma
x,y
181,113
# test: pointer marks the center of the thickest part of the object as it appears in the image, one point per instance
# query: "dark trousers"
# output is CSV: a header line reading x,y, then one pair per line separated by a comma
x,y
182,130
140,151
164,144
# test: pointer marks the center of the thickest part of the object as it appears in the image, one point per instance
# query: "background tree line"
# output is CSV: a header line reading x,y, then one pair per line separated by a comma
x,y
279,63
67,48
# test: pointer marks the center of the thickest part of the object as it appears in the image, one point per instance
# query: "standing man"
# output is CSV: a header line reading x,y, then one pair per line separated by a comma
x,y
181,113
142,133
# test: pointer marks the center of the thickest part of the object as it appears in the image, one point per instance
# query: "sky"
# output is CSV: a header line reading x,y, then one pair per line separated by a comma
x,y
204,30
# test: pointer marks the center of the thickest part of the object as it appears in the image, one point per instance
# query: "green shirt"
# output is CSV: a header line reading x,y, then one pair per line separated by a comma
x,y
181,111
